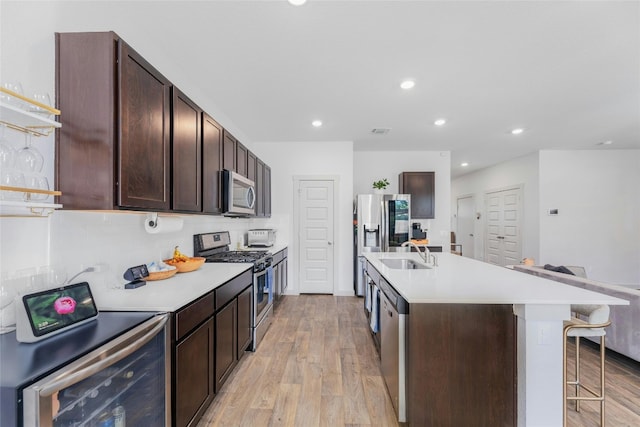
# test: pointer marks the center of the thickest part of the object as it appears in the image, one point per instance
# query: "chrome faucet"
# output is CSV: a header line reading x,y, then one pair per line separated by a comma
x,y
426,255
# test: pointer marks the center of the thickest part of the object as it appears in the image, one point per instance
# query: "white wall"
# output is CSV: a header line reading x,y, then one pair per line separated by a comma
x,y
370,166
596,193
598,226
523,170
289,160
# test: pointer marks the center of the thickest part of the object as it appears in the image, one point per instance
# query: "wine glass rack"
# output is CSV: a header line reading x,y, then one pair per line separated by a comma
x,y
35,123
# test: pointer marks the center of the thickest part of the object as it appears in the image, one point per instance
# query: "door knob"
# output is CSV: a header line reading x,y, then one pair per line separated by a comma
x,y
330,243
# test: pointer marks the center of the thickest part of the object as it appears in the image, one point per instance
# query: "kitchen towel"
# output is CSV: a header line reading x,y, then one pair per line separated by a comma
x,y
367,297
269,283
375,312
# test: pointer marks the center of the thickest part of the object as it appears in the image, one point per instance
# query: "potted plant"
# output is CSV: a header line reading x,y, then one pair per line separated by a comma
x,y
380,186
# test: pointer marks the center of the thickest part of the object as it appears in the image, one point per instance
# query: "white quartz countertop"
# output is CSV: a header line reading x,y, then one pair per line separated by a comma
x,y
461,280
170,294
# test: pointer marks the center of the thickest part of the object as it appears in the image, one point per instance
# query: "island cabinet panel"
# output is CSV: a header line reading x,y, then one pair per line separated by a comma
x,y
421,186
194,387
187,153
211,165
462,365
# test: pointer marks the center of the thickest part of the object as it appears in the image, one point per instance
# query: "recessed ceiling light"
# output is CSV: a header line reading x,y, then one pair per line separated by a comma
x,y
407,84
297,2
517,131
464,164
440,122
608,142
316,123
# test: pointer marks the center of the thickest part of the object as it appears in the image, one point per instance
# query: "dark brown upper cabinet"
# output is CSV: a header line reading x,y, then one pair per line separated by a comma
x,y
186,133
260,188
267,191
241,159
228,151
113,150
421,186
252,162
263,189
211,165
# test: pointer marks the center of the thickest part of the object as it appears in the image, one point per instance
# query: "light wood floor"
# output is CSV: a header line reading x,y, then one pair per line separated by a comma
x,y
317,366
622,388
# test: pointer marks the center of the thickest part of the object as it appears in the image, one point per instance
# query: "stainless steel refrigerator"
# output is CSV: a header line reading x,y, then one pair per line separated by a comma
x,y
381,225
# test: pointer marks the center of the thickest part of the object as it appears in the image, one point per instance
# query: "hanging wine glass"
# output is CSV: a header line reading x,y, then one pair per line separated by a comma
x,y
7,153
44,99
37,182
29,159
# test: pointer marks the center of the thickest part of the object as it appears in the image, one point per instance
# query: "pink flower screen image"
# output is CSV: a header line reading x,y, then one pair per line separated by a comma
x,y
64,305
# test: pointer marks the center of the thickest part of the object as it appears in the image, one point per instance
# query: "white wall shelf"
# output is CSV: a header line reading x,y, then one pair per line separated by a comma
x,y
34,120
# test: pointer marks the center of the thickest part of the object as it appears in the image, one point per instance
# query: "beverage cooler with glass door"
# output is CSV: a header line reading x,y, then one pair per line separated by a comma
x,y
113,371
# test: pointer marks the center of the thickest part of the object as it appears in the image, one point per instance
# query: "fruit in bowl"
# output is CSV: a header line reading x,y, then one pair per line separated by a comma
x,y
184,263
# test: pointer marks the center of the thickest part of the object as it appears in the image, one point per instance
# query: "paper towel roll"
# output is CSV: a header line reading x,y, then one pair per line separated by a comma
x,y
154,224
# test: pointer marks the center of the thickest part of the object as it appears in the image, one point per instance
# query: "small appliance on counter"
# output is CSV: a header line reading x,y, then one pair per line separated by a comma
x,y
417,232
264,237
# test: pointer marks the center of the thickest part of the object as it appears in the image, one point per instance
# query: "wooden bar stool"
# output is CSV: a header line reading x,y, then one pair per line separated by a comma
x,y
597,318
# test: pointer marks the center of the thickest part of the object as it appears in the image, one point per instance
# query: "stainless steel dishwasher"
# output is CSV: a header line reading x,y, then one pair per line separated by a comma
x,y
393,328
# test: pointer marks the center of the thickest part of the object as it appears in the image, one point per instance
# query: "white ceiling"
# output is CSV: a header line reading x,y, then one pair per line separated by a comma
x,y
566,71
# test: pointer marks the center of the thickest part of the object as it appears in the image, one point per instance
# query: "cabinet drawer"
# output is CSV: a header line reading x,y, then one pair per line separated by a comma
x,y
232,288
192,315
373,273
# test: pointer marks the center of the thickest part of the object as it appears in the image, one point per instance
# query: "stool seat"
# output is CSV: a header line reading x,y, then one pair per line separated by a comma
x,y
590,321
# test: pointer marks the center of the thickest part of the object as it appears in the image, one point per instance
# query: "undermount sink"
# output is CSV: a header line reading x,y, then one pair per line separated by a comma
x,y
403,264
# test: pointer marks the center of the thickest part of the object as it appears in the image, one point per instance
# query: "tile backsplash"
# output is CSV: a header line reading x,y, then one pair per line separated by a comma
x,y
113,241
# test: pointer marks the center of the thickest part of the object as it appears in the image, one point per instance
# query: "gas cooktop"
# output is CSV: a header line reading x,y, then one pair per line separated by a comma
x,y
215,248
237,256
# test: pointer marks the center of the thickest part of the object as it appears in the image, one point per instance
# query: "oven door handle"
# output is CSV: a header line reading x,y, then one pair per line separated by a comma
x,y
102,358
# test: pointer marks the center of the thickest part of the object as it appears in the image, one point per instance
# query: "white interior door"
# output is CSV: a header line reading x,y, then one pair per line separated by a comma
x,y
502,234
465,225
315,234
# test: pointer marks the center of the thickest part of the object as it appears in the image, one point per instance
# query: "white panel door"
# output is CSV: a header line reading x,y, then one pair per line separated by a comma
x,y
502,234
466,217
316,236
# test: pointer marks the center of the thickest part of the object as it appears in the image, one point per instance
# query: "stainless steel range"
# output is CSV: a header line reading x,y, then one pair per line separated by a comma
x,y
215,248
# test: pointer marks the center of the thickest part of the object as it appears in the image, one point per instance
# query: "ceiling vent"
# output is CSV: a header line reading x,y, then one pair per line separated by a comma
x,y
380,131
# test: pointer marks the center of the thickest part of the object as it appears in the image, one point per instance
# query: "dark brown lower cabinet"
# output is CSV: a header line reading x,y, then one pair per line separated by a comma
x,y
206,345
226,342
245,299
462,365
194,374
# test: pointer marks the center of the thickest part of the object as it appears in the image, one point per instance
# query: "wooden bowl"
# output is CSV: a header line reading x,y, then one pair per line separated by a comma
x,y
161,275
192,264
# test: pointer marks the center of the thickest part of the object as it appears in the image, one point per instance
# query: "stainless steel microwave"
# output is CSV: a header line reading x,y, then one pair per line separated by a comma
x,y
238,194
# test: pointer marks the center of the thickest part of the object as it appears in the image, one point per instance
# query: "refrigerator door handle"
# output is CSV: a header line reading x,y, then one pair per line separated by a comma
x,y
95,361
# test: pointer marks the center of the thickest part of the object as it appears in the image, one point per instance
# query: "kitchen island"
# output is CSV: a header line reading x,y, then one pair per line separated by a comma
x,y
483,343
